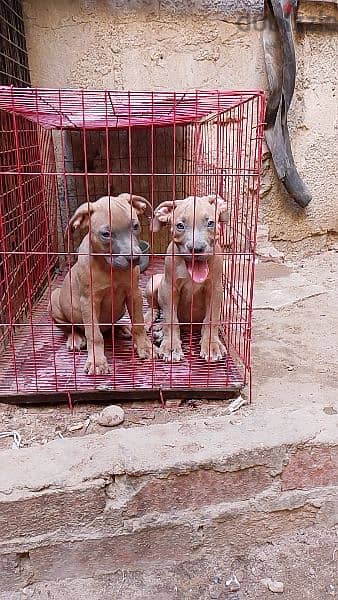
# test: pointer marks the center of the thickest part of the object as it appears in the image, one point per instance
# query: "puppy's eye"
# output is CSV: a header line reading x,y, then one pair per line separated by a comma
x,y
105,234
180,226
136,226
211,224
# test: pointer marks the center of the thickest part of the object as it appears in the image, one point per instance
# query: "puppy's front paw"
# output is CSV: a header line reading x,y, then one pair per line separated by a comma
x,y
150,319
124,332
213,351
169,353
98,367
76,342
158,334
145,349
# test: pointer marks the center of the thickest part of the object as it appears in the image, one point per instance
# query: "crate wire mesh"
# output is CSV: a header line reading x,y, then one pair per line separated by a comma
x,y
13,52
61,148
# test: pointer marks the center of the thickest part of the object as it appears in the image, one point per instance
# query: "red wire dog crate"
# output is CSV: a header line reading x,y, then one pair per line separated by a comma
x,y
60,148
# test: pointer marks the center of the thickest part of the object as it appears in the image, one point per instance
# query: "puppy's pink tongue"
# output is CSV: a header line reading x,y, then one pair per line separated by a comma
x,y
200,271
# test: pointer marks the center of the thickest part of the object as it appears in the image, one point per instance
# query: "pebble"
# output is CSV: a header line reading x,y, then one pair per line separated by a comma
x,y
75,427
173,403
215,589
274,586
148,416
233,584
111,416
331,590
194,403
215,592
240,574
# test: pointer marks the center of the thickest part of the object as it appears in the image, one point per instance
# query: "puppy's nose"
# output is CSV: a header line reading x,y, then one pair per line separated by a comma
x,y
197,248
133,260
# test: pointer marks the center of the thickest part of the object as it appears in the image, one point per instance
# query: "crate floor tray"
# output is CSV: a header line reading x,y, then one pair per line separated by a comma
x,y
38,361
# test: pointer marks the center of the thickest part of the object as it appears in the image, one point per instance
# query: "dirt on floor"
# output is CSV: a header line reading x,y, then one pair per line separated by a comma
x,y
295,353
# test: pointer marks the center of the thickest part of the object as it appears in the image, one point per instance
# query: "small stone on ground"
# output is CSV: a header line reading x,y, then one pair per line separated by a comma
x,y
111,416
274,586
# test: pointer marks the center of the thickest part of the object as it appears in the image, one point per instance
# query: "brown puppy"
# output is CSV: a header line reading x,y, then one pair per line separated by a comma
x,y
191,288
100,286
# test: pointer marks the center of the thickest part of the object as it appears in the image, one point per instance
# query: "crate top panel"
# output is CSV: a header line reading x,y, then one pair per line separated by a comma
x,y
100,109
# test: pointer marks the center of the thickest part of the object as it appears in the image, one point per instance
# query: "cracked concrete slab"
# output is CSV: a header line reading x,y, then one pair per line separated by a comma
x,y
305,568
173,446
125,500
278,286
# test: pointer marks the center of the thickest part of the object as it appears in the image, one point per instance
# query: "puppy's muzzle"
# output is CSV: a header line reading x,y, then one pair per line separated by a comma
x,y
123,262
125,253
133,260
199,252
197,248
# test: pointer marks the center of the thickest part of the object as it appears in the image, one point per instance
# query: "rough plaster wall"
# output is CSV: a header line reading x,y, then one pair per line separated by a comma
x,y
92,44
143,44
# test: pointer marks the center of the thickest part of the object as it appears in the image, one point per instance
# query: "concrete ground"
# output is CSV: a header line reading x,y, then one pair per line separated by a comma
x,y
295,357
295,351
285,439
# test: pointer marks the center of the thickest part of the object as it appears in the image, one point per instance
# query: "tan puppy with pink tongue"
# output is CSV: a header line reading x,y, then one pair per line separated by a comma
x,y
190,290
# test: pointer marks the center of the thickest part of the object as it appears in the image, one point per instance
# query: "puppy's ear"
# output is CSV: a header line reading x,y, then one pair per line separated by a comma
x,y
221,208
81,216
163,214
140,204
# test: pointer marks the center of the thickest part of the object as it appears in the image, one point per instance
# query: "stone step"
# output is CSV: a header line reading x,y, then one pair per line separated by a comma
x,y
140,498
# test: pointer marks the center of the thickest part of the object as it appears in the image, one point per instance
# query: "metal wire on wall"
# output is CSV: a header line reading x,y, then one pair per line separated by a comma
x,y
14,68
